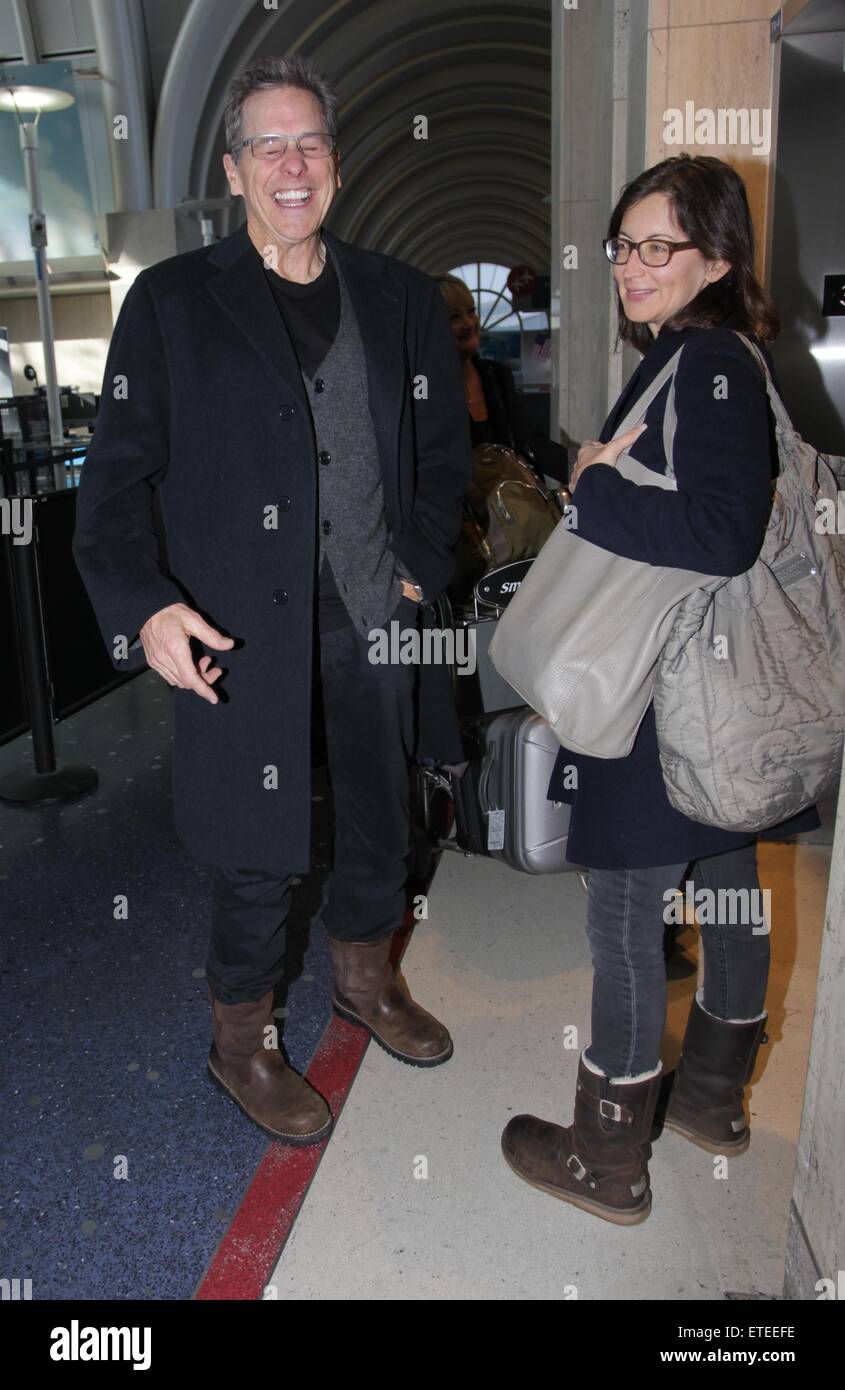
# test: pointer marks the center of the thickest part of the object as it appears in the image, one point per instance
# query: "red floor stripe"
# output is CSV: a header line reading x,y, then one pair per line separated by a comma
x,y
249,1251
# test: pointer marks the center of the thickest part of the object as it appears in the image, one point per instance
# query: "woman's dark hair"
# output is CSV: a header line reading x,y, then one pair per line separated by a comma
x,y
709,202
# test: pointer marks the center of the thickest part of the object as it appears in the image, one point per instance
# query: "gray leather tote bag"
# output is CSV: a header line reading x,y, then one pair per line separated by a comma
x,y
581,639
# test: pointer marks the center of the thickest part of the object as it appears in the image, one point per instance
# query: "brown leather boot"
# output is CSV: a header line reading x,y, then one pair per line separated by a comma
x,y
600,1162
368,991
703,1098
259,1079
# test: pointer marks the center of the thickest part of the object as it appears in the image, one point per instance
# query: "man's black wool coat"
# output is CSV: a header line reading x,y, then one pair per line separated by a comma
x,y
203,398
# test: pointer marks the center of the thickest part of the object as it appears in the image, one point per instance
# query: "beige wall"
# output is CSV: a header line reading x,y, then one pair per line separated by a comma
x,y
718,55
83,322
82,325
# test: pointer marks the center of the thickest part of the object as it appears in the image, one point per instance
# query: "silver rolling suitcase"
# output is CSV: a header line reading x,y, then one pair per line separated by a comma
x,y
501,808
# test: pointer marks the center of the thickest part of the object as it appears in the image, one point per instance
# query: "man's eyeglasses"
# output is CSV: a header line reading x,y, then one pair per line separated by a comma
x,y
653,252
314,144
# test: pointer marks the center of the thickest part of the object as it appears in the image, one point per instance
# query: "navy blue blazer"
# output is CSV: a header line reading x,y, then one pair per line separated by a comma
x,y
724,459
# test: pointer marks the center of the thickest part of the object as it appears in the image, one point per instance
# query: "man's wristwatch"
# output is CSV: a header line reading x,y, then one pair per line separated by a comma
x,y
417,590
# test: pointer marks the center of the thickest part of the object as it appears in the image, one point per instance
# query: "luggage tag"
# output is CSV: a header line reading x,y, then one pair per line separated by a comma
x,y
496,830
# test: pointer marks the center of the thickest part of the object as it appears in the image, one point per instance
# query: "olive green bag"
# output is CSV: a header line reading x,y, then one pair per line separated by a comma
x,y
508,515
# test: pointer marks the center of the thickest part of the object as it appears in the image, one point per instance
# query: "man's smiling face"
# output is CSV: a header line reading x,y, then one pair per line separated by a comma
x,y
287,199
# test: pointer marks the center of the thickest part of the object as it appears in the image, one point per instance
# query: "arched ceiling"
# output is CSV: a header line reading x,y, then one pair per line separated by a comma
x,y
479,72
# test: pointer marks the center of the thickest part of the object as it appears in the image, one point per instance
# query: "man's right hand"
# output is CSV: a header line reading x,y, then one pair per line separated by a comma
x,y
166,641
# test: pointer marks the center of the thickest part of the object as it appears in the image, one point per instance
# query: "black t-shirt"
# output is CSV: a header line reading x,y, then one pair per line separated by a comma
x,y
312,314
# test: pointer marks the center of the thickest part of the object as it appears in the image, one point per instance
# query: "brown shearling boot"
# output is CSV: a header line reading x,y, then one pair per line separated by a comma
x,y
259,1079
600,1161
368,992
705,1092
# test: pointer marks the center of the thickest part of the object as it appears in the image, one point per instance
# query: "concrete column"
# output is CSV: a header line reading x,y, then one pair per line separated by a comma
x,y
116,29
599,112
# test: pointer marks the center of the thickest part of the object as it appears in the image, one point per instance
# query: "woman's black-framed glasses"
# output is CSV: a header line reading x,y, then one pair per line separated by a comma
x,y
313,144
654,251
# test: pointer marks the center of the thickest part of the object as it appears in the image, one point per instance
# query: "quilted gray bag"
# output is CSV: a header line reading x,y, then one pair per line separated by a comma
x,y
749,697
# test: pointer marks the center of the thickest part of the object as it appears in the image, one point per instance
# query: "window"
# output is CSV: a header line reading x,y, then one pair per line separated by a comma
x,y
488,284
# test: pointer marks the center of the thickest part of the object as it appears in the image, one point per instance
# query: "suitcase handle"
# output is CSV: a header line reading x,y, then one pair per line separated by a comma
x,y
484,780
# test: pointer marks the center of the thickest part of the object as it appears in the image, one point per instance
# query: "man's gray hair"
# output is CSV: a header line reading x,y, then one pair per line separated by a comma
x,y
263,73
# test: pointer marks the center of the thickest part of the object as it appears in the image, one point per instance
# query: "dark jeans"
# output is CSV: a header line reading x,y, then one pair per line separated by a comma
x,y
369,720
625,926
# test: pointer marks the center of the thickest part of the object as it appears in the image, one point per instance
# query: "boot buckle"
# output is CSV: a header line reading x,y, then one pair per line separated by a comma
x,y
609,1110
578,1170
576,1167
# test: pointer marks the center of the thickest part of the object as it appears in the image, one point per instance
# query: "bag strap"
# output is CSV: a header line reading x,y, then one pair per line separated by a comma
x,y
778,408
670,417
642,403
